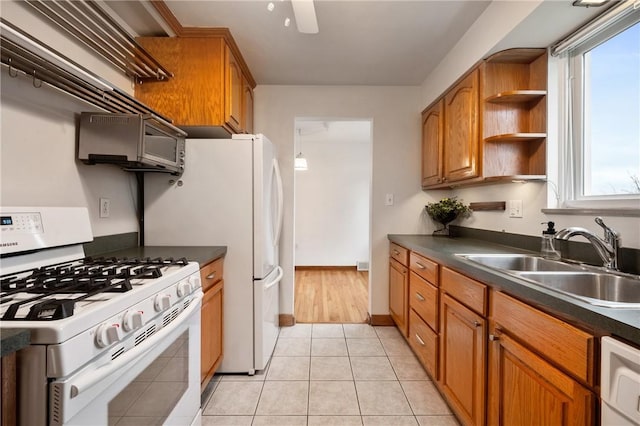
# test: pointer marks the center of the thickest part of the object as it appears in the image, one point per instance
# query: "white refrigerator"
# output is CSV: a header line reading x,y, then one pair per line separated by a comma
x,y
229,195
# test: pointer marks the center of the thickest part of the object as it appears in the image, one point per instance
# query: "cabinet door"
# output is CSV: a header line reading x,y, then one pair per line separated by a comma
x,y
398,290
247,107
211,332
462,360
461,159
234,92
526,390
432,145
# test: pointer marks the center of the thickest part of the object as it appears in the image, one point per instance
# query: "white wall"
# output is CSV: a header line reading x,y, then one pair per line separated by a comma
x,y
395,112
38,138
506,24
332,196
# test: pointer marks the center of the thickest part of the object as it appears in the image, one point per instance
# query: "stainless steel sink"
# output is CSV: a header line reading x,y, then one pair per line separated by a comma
x,y
597,288
520,262
588,283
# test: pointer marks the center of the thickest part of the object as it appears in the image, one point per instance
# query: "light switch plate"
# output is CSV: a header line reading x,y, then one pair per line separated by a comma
x,y
515,208
388,200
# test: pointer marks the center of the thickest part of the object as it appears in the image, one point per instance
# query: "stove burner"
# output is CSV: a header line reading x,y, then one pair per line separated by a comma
x,y
85,278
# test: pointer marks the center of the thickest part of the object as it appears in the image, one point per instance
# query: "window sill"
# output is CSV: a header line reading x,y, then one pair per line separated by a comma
x,y
622,212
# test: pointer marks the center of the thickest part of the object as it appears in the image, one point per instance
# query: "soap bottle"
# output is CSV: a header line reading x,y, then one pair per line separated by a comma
x,y
547,250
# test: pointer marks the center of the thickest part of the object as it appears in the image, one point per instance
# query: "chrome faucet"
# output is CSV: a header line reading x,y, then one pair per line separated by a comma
x,y
607,249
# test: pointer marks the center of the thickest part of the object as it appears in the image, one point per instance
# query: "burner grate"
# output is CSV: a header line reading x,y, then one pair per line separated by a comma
x,y
38,287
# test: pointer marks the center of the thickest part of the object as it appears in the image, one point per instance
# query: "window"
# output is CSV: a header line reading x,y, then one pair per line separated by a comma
x,y
602,152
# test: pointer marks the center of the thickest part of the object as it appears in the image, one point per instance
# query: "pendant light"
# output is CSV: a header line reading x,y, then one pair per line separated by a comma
x,y
300,162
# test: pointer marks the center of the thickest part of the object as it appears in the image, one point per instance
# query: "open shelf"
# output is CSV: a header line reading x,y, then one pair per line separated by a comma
x,y
516,137
516,96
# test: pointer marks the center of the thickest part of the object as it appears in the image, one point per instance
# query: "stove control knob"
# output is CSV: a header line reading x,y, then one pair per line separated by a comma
x,y
184,289
194,280
162,302
132,320
106,334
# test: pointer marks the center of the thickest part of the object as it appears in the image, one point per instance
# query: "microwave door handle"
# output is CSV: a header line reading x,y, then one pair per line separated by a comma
x,y
129,358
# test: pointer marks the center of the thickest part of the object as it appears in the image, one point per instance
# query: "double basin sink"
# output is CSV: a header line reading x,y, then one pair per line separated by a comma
x,y
587,283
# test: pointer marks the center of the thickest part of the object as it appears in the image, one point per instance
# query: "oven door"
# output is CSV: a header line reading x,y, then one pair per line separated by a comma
x,y
156,382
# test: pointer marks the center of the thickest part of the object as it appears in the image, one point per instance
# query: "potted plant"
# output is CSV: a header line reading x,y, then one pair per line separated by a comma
x,y
445,211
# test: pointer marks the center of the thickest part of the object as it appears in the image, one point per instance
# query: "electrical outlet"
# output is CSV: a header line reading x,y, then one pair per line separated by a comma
x,y
388,200
515,208
105,207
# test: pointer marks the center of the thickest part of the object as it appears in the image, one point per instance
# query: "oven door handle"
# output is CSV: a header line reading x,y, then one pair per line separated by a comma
x,y
128,358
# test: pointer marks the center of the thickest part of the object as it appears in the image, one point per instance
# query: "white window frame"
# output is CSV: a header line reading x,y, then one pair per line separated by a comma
x,y
570,159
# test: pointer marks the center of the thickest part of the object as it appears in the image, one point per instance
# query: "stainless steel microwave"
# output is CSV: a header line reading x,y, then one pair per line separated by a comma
x,y
133,141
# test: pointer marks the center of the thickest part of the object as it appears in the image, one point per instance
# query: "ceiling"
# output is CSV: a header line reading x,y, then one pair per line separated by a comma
x,y
361,42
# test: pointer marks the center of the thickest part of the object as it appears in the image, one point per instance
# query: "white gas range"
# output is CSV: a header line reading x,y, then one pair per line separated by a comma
x,y
113,341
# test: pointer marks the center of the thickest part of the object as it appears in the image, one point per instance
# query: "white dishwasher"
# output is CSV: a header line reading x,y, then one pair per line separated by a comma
x,y
620,383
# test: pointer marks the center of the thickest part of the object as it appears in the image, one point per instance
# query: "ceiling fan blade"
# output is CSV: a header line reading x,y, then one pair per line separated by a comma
x,y
305,14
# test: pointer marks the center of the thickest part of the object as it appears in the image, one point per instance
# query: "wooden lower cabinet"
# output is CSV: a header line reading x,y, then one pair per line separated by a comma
x,y
524,389
424,343
463,360
398,291
211,320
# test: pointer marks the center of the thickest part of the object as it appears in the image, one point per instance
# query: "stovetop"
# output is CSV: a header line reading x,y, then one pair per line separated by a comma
x,y
57,302
52,292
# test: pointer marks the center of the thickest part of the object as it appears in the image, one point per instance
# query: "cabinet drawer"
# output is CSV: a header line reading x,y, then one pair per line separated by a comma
x,y
211,273
424,343
465,290
423,299
424,267
561,343
399,253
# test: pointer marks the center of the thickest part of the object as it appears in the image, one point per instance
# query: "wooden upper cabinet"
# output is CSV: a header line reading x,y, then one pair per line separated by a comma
x,y
493,123
234,93
432,144
247,107
206,96
461,159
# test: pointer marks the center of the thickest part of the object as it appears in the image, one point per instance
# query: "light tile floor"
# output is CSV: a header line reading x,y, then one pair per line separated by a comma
x,y
331,374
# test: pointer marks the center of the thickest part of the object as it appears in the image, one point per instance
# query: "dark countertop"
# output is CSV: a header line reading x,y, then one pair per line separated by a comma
x,y
621,322
200,254
12,340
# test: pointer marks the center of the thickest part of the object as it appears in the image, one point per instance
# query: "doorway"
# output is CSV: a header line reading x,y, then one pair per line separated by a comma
x,y
332,220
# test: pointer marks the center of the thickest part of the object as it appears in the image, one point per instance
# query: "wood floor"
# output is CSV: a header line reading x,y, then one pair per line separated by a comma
x,y
328,295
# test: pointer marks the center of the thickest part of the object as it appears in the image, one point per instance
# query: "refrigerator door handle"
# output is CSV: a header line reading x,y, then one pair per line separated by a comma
x,y
279,216
276,280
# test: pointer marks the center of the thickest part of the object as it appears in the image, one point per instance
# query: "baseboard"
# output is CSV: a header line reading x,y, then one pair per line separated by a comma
x,y
326,268
287,320
380,320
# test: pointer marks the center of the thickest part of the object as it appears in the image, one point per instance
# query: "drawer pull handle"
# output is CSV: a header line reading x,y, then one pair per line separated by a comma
x,y
420,265
419,340
493,337
420,297
211,275
476,323
396,252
